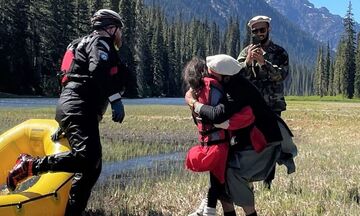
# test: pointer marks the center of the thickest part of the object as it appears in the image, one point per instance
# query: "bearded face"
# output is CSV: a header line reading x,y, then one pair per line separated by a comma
x,y
265,38
261,30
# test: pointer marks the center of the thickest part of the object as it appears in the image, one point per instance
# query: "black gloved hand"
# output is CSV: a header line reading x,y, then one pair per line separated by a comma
x,y
58,134
118,112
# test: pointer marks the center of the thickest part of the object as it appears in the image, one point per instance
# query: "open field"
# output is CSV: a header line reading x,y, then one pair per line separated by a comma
x,y
337,98
326,182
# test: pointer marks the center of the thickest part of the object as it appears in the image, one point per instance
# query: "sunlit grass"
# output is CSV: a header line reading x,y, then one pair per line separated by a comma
x,y
326,181
146,130
338,98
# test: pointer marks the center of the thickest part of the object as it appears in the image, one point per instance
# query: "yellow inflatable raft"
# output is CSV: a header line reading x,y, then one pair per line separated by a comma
x,y
49,195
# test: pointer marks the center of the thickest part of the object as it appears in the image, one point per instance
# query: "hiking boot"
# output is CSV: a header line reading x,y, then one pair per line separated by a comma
x,y
20,172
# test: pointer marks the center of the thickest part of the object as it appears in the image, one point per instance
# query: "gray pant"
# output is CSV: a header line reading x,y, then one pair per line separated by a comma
x,y
248,166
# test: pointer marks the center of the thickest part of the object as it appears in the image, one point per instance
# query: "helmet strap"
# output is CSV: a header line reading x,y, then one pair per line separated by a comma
x,y
112,36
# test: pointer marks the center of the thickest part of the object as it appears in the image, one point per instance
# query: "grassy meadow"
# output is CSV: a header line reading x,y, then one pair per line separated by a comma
x,y
326,182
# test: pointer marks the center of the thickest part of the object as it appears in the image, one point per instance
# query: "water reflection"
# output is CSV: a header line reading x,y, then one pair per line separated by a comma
x,y
156,163
139,169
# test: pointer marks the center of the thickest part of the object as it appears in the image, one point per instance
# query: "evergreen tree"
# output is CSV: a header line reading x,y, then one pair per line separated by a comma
x,y
319,73
58,31
233,38
339,68
186,45
300,82
247,38
174,73
16,16
291,89
214,39
36,33
157,46
165,58
197,37
357,74
349,74
37,14
114,4
4,50
127,11
224,45
143,53
308,80
179,48
331,80
82,21
326,76
95,5
68,20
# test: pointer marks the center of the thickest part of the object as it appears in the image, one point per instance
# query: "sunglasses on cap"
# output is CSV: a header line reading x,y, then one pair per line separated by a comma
x,y
261,30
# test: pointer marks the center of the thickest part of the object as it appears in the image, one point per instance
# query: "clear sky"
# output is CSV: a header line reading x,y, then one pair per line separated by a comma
x,y
339,7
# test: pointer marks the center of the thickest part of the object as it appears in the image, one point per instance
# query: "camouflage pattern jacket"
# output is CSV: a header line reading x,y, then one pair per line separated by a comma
x,y
268,78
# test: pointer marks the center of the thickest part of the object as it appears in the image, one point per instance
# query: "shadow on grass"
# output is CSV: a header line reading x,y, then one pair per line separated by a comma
x,y
123,212
99,212
354,195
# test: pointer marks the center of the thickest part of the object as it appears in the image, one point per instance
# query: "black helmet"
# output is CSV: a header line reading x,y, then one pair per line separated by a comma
x,y
106,17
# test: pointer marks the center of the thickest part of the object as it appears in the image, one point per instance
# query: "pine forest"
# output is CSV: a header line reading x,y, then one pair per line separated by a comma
x,y
35,34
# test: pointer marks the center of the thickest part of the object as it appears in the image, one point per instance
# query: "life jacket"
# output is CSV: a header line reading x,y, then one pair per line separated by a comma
x,y
241,126
211,155
68,62
208,133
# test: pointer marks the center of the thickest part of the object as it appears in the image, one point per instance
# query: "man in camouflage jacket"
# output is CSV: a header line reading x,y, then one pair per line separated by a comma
x,y
266,64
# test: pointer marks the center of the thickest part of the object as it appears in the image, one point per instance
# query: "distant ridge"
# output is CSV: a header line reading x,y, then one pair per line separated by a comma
x,y
301,46
318,22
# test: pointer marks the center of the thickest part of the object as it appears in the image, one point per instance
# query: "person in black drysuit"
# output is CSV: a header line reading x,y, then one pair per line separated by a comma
x,y
93,79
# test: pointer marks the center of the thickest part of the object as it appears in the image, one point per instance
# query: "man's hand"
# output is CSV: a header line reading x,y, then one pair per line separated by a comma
x,y
118,112
57,135
259,56
254,52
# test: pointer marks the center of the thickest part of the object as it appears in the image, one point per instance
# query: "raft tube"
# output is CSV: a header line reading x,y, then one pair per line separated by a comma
x,y
49,195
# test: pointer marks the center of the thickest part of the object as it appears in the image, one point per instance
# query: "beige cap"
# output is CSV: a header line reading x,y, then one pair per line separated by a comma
x,y
223,64
258,19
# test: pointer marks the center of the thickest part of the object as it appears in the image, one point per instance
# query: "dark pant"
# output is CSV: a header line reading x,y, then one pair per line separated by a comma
x,y
271,175
84,159
215,191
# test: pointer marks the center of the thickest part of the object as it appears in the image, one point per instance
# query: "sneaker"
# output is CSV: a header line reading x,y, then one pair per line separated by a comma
x,y
199,211
208,211
196,214
20,172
